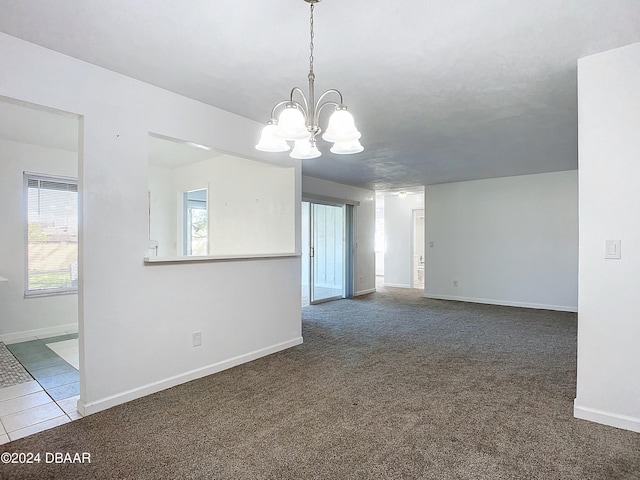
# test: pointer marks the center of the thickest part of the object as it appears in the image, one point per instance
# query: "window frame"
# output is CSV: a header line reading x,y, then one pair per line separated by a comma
x,y
187,232
71,290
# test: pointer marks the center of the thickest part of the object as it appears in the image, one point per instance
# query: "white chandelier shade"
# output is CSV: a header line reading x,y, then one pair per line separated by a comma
x,y
305,149
298,120
269,142
341,127
347,148
291,124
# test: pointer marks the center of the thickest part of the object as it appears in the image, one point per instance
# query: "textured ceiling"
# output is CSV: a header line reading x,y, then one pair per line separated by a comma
x,y
441,90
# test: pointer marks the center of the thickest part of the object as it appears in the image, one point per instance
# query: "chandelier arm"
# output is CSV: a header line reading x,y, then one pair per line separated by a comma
x,y
300,106
331,90
319,105
319,109
276,106
285,102
304,98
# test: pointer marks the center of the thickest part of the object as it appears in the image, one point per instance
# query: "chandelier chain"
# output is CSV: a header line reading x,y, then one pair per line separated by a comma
x,y
311,44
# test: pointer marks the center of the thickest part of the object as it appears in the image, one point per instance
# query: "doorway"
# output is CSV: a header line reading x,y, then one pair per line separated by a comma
x,y
417,265
39,306
327,263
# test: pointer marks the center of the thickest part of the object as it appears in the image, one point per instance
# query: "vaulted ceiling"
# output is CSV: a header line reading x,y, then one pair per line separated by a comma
x,y
441,90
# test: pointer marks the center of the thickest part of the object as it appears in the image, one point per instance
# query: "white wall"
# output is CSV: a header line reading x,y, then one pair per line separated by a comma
x,y
136,320
251,205
22,317
608,385
398,237
365,281
506,241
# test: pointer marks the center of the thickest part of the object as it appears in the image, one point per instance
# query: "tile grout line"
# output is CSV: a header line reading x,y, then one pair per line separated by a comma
x,y
57,414
34,425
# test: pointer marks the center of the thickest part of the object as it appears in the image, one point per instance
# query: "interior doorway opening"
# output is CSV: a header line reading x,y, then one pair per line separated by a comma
x,y
379,240
417,265
42,264
400,238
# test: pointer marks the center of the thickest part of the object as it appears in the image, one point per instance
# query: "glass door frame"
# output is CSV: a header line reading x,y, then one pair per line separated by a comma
x,y
348,245
314,254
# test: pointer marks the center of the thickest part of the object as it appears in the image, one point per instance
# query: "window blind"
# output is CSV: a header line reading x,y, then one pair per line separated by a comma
x,y
52,235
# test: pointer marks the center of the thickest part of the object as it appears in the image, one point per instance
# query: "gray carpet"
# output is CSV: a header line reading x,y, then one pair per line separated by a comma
x,y
11,371
387,386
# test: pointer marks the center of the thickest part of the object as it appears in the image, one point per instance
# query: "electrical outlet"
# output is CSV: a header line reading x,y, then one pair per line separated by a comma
x,y
197,339
455,283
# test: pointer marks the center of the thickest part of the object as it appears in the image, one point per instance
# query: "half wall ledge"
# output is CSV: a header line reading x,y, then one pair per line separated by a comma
x,y
217,258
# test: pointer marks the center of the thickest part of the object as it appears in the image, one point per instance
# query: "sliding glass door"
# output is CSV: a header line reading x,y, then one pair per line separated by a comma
x,y
327,252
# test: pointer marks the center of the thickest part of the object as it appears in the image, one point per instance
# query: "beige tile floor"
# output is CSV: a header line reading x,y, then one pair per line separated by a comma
x,y
26,409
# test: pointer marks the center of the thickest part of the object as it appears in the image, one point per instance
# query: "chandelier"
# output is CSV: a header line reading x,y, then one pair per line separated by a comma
x,y
298,120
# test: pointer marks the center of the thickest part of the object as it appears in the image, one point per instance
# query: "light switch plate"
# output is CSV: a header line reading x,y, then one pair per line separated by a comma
x,y
612,249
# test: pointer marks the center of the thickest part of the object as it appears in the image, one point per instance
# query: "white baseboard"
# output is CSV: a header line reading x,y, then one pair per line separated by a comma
x,y
16,337
364,292
506,303
105,403
606,418
397,285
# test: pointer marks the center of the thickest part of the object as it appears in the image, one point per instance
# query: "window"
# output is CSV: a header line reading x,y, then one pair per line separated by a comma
x,y
196,235
51,235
